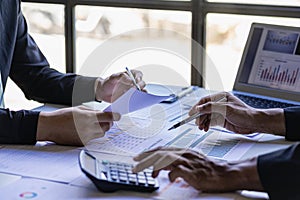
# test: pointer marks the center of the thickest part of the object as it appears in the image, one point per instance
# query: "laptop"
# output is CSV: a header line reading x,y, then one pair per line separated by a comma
x,y
269,74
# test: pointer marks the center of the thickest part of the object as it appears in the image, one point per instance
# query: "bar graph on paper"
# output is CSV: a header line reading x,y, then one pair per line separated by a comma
x,y
278,74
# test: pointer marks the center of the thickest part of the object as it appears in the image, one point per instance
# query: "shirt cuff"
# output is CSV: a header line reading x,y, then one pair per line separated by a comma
x,y
84,90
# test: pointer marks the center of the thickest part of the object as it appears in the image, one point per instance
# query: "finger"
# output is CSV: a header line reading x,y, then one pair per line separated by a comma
x,y
180,171
201,120
157,169
123,78
206,123
105,126
194,110
142,84
161,149
159,160
169,160
147,162
217,120
82,107
192,154
145,154
207,99
137,75
213,107
200,102
108,116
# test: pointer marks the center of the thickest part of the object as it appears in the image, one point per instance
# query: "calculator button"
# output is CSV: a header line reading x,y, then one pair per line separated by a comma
x,y
151,182
141,177
122,171
142,182
113,171
132,175
123,178
112,165
123,181
149,174
132,180
114,177
123,174
140,174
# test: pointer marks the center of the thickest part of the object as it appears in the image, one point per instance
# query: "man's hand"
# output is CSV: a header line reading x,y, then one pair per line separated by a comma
x,y
116,85
73,126
236,116
199,171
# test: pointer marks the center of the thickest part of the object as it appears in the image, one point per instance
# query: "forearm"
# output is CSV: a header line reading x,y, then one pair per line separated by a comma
x,y
58,126
245,175
270,121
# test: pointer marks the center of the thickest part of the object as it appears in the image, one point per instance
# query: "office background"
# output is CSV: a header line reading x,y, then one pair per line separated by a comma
x,y
67,31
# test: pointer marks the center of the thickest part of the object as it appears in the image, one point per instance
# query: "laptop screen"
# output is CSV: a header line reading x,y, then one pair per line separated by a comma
x,y
270,62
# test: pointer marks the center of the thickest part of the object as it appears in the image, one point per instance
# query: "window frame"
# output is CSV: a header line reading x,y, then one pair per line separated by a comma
x,y
198,8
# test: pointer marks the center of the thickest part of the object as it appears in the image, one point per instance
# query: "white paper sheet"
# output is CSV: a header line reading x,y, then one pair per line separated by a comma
x,y
134,100
28,188
6,179
52,162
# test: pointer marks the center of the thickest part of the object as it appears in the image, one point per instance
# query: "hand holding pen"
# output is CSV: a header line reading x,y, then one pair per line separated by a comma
x,y
192,117
133,79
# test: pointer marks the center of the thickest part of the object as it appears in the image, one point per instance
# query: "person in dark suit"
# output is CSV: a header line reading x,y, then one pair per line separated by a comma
x,y
277,173
24,63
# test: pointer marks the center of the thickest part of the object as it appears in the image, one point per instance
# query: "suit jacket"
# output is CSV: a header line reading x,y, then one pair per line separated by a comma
x,y
279,171
24,63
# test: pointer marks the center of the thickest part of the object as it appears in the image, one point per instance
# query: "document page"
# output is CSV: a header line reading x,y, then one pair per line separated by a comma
x,y
57,163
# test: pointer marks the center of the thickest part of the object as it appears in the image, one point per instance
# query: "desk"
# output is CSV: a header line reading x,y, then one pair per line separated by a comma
x,y
50,171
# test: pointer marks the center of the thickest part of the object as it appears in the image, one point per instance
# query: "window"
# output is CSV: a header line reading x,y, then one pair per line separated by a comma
x,y
263,2
226,36
46,26
220,25
134,29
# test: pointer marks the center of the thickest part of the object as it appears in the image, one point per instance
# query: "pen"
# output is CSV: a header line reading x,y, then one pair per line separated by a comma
x,y
190,118
132,78
185,92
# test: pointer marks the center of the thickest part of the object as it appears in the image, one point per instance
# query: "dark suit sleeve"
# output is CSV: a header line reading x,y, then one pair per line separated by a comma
x,y
292,123
279,173
18,127
31,72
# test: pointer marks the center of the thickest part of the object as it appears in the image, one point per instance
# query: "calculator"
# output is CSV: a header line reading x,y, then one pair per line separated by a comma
x,y
111,176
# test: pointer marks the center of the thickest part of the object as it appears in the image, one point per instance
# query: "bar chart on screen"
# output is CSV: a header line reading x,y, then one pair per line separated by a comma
x,y
282,74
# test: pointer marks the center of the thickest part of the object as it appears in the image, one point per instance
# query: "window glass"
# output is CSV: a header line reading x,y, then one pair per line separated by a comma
x,y
262,2
226,37
46,26
96,26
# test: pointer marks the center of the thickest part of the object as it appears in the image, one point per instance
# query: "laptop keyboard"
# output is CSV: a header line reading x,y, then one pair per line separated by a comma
x,y
262,103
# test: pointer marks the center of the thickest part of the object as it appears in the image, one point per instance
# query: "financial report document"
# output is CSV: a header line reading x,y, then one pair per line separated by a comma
x,y
147,128
51,171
